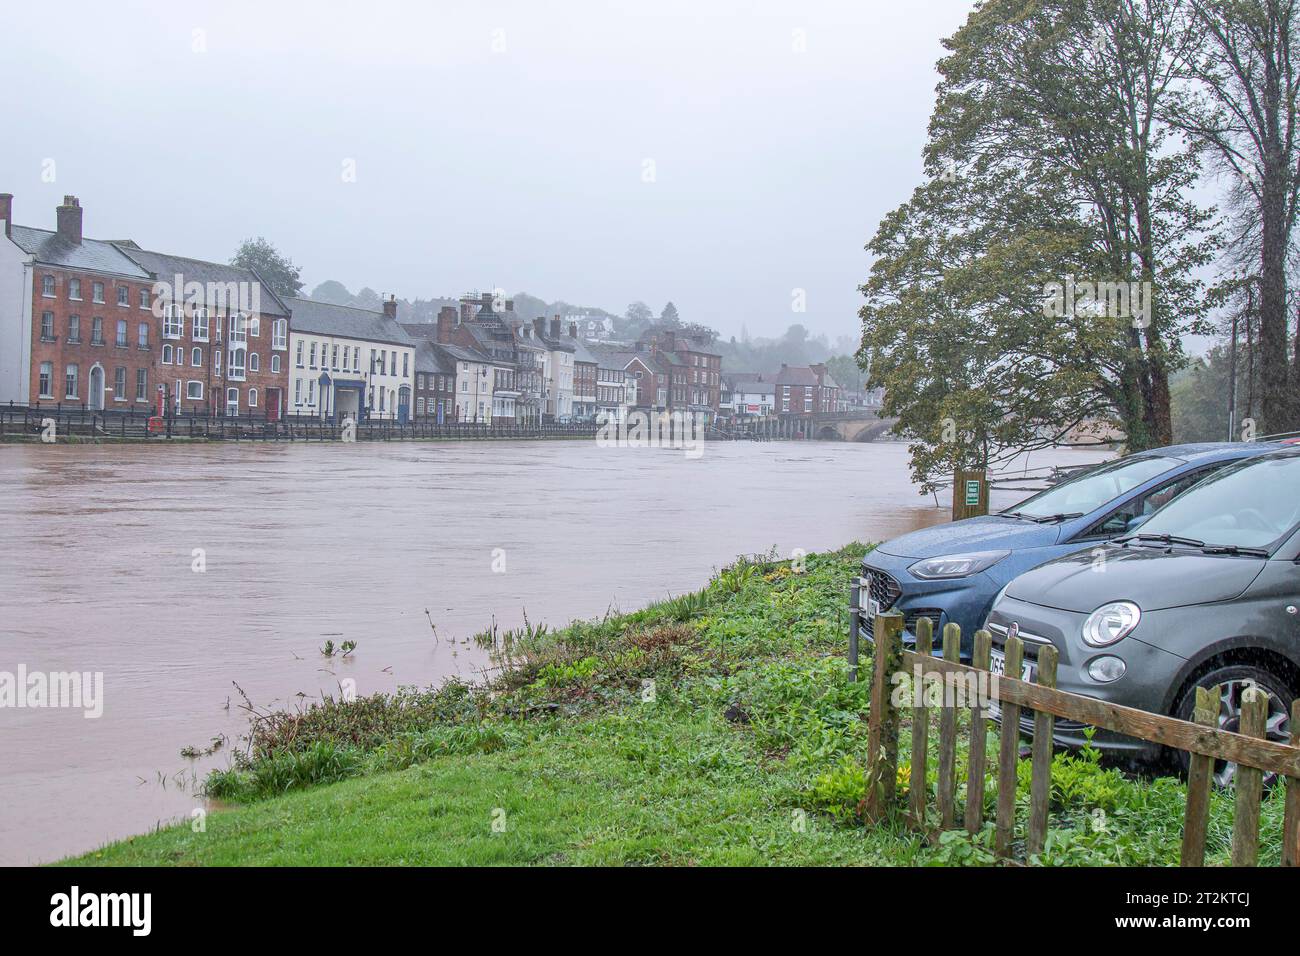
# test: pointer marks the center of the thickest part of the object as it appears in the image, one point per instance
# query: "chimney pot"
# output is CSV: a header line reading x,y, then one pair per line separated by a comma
x,y
68,217
7,210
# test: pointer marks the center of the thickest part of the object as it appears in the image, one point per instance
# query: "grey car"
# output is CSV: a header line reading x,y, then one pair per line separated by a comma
x,y
1207,593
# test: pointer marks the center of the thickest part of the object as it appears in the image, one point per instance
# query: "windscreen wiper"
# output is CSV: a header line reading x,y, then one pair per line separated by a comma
x,y
1235,550
1170,539
1042,519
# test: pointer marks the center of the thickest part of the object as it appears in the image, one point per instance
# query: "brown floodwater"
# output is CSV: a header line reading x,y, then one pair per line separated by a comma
x,y
308,543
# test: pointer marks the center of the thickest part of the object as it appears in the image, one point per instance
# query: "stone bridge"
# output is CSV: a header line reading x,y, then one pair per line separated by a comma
x,y
859,425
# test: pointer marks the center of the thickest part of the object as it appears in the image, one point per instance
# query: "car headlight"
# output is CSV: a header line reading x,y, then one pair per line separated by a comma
x,y
956,565
1110,623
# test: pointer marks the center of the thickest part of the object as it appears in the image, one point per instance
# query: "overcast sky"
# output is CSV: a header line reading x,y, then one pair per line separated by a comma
x,y
493,143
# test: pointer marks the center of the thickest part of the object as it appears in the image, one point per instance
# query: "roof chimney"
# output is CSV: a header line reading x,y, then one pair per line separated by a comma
x,y
7,210
555,327
539,324
447,317
573,330
69,220
390,306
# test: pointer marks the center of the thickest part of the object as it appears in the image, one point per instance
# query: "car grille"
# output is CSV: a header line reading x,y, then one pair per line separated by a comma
x,y
879,587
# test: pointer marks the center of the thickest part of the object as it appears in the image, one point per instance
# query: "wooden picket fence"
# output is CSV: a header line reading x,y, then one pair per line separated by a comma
x,y
1201,738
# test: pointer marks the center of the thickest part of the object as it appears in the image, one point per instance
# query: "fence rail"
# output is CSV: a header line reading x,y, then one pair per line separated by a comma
x,y
30,421
1201,738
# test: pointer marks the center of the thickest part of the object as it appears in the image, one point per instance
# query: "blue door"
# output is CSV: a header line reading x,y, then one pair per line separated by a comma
x,y
403,404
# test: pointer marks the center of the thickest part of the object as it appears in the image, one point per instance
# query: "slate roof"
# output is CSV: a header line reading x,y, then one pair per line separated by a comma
x,y
430,361
95,255
165,268
796,375
753,388
459,353
344,321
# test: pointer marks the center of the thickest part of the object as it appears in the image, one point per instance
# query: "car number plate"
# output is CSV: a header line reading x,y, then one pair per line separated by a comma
x,y
998,666
873,607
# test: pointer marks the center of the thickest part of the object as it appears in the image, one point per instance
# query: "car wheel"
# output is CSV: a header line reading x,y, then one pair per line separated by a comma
x,y
1232,681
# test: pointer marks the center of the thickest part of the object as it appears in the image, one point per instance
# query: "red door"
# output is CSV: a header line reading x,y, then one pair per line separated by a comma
x,y
273,404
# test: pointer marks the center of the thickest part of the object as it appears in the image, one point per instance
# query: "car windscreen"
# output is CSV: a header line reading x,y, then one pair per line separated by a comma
x,y
1087,492
1251,505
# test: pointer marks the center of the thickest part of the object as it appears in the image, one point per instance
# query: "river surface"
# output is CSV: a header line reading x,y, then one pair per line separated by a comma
x,y
300,544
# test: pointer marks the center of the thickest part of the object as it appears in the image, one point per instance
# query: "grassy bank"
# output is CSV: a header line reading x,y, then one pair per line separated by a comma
x,y
716,728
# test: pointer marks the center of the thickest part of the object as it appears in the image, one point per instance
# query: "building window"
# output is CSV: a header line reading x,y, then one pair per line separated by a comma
x,y
121,340
47,380
238,360
167,355
97,291
238,328
144,298
280,334
173,321
196,357
297,391
312,360
419,380
194,391
97,331
255,326
70,381
275,363
74,289
47,286
200,325
47,326
142,335
252,398
141,385
356,358
74,329
124,296
254,362
216,360
406,364
311,391
334,358
419,406
119,384
298,357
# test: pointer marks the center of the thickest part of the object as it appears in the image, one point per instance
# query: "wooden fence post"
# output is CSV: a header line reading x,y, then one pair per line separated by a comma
x,y
1040,785
1291,822
882,733
918,787
948,732
1249,782
1199,782
1009,754
978,740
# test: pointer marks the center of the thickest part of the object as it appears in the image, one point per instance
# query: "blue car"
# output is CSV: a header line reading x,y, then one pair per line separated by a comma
x,y
953,572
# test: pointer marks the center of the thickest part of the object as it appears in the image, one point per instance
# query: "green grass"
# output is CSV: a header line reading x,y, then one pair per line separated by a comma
x,y
747,752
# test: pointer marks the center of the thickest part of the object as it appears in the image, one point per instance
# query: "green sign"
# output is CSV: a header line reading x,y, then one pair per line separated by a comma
x,y
973,492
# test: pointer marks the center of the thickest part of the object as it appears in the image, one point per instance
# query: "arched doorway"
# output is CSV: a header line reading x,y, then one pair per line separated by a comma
x,y
95,397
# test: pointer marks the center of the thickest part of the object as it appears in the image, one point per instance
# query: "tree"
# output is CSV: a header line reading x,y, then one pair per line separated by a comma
x,y
668,318
1051,172
276,270
846,372
1249,76
332,291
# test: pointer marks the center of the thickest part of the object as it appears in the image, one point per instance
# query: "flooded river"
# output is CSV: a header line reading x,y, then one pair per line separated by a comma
x,y
179,572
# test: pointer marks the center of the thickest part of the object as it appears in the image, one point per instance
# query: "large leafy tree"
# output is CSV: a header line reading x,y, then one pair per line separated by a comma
x,y
1049,163
1248,78
276,269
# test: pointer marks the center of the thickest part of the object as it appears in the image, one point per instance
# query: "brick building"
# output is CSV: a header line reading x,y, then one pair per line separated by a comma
x,y
76,319
803,391
222,337
693,373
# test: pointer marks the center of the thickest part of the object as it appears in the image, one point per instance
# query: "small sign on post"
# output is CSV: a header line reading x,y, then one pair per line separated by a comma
x,y
970,494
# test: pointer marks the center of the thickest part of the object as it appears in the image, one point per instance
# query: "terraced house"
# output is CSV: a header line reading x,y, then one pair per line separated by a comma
x,y
223,336
349,362
76,317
